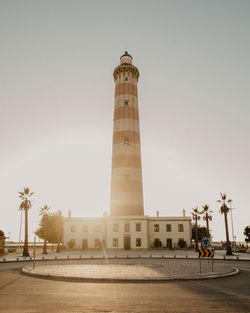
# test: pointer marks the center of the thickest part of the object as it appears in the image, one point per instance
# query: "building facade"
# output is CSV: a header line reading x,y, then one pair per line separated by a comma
x,y
126,227
126,232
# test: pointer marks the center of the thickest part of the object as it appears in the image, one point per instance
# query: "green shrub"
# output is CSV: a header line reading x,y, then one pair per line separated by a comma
x,y
157,243
182,243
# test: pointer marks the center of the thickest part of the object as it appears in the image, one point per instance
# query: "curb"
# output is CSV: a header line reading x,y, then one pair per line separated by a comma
x,y
27,272
118,258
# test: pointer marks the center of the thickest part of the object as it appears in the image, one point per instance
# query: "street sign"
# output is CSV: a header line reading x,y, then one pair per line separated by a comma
x,y
205,242
206,253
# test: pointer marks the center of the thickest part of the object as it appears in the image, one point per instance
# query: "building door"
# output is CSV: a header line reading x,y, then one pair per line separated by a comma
x,y
85,244
169,244
126,243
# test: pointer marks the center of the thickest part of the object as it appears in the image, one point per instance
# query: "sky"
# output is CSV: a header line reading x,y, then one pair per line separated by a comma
x,y
57,97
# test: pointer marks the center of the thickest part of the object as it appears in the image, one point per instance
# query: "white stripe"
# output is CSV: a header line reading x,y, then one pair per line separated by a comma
x,y
126,124
123,173
126,198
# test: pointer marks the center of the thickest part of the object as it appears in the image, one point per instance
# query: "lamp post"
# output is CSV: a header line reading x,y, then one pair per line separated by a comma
x,y
231,209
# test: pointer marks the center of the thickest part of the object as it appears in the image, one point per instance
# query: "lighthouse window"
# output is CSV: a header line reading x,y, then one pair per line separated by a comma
x,y
126,140
126,102
126,177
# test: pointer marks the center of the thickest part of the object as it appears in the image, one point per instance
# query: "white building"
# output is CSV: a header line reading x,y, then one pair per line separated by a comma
x,y
126,232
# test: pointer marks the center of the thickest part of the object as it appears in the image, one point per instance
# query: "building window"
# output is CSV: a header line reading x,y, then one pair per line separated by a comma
x,y
73,228
180,228
72,243
126,103
126,78
138,227
138,242
168,228
156,228
126,140
115,242
85,228
97,243
126,177
127,228
97,227
85,244
115,227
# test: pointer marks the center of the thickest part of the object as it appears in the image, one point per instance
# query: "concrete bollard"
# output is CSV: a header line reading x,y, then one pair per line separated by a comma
x,y
162,256
17,259
174,256
150,256
4,260
186,256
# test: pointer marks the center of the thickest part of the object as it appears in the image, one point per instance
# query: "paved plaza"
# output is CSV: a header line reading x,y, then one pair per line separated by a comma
x,y
135,269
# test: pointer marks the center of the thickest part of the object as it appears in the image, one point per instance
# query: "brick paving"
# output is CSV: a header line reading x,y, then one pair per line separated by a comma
x,y
131,269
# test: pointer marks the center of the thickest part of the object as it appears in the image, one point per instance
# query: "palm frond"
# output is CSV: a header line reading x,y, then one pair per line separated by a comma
x,y
26,190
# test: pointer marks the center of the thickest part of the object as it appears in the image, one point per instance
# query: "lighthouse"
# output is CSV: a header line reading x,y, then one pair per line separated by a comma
x,y
126,227
126,176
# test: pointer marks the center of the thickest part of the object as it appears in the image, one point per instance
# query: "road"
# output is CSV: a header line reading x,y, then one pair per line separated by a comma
x,y
23,294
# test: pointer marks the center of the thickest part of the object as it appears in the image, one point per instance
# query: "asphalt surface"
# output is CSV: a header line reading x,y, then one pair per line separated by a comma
x,y
20,293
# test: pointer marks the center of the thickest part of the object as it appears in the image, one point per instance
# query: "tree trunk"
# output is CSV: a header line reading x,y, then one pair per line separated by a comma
x,y
196,235
25,247
208,234
45,247
228,246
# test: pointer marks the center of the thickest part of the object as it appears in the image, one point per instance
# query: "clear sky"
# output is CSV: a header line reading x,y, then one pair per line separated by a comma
x,y
57,94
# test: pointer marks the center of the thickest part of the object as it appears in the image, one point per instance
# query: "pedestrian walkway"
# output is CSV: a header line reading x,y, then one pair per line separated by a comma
x,y
219,254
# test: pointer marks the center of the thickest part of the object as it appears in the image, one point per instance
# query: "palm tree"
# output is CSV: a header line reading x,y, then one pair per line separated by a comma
x,y
206,216
44,211
25,206
224,209
196,217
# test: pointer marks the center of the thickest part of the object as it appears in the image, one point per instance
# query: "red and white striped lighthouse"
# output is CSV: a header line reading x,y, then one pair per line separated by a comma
x,y
126,178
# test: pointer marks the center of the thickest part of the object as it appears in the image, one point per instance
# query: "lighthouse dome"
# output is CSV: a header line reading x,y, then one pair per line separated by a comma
x,y
126,58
